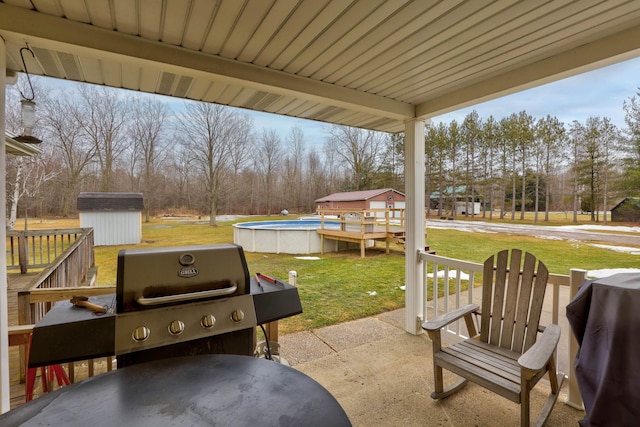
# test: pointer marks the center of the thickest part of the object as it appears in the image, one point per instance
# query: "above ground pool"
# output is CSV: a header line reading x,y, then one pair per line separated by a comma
x,y
287,236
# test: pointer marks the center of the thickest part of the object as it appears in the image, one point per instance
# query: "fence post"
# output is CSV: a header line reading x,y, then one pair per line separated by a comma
x,y
23,259
575,398
25,317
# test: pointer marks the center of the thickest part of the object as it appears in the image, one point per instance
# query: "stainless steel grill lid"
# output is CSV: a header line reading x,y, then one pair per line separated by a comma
x,y
155,277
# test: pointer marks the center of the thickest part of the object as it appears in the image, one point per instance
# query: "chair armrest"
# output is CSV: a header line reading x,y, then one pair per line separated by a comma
x,y
539,353
442,321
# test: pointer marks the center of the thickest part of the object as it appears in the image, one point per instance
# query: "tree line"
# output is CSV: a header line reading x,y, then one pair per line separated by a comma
x,y
198,158
519,163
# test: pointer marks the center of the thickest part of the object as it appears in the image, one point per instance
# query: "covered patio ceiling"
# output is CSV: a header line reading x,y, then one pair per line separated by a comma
x,y
364,63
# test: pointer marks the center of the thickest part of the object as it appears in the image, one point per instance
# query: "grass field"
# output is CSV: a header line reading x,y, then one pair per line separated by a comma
x,y
338,286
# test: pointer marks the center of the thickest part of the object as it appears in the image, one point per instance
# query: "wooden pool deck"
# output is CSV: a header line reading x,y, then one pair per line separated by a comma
x,y
362,226
378,234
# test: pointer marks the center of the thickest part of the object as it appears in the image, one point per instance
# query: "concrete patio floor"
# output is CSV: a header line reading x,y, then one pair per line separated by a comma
x,y
383,376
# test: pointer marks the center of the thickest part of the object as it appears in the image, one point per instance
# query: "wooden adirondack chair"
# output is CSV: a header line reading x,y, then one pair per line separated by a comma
x,y
505,357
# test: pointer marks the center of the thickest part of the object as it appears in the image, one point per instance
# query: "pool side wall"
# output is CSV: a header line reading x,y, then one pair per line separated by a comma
x,y
282,241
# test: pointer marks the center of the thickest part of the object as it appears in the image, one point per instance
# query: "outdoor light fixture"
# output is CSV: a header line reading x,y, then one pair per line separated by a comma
x,y
28,108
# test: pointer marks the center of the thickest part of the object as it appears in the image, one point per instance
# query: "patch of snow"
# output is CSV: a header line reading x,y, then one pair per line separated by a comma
x,y
452,275
550,237
310,258
622,228
403,287
632,251
372,293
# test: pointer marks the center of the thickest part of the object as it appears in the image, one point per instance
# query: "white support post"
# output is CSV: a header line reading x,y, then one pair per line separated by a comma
x,y
5,400
414,189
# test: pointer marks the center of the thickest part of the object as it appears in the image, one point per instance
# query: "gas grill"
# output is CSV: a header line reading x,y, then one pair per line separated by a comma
x,y
172,301
183,301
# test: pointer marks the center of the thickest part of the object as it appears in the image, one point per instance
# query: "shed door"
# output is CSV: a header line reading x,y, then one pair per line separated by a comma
x,y
378,205
399,205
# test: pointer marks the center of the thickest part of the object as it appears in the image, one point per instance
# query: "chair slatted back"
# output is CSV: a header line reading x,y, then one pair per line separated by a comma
x,y
512,297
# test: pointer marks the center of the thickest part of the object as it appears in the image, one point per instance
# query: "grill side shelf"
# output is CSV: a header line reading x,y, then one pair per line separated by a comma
x,y
274,301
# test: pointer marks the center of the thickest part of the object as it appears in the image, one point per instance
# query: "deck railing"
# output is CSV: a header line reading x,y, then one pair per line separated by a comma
x,y
359,220
73,266
34,249
463,280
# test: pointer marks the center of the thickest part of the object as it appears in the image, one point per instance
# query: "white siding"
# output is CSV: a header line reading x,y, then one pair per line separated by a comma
x,y
113,228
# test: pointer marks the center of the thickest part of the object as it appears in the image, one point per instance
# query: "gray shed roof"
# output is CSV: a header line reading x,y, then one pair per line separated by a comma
x,y
88,201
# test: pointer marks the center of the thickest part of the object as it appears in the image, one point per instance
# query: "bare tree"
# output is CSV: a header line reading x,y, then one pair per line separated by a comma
x,y
240,149
335,167
209,130
65,131
317,184
293,168
359,150
148,121
104,118
267,161
180,170
29,179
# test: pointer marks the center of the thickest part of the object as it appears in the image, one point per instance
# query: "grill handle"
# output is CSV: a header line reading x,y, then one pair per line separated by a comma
x,y
187,297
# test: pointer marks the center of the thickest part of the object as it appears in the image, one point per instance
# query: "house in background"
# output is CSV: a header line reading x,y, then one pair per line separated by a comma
x,y
386,198
465,203
116,218
628,210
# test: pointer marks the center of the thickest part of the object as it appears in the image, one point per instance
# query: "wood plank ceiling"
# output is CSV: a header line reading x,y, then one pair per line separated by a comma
x,y
364,63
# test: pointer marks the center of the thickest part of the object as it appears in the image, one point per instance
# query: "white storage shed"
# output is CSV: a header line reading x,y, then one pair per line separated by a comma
x,y
116,218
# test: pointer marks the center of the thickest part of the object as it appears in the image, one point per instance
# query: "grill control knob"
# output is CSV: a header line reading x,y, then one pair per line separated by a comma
x,y
208,321
176,327
237,316
140,334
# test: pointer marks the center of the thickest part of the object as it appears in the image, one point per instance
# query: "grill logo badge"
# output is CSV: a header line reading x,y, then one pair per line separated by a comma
x,y
188,270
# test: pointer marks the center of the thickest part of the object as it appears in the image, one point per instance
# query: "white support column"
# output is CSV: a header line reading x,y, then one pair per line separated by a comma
x,y
4,330
414,190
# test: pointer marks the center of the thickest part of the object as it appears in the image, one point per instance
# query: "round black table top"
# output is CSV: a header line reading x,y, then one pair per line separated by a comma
x,y
211,390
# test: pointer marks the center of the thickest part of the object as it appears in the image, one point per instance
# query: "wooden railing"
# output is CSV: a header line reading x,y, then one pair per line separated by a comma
x,y
34,249
463,280
73,267
359,219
